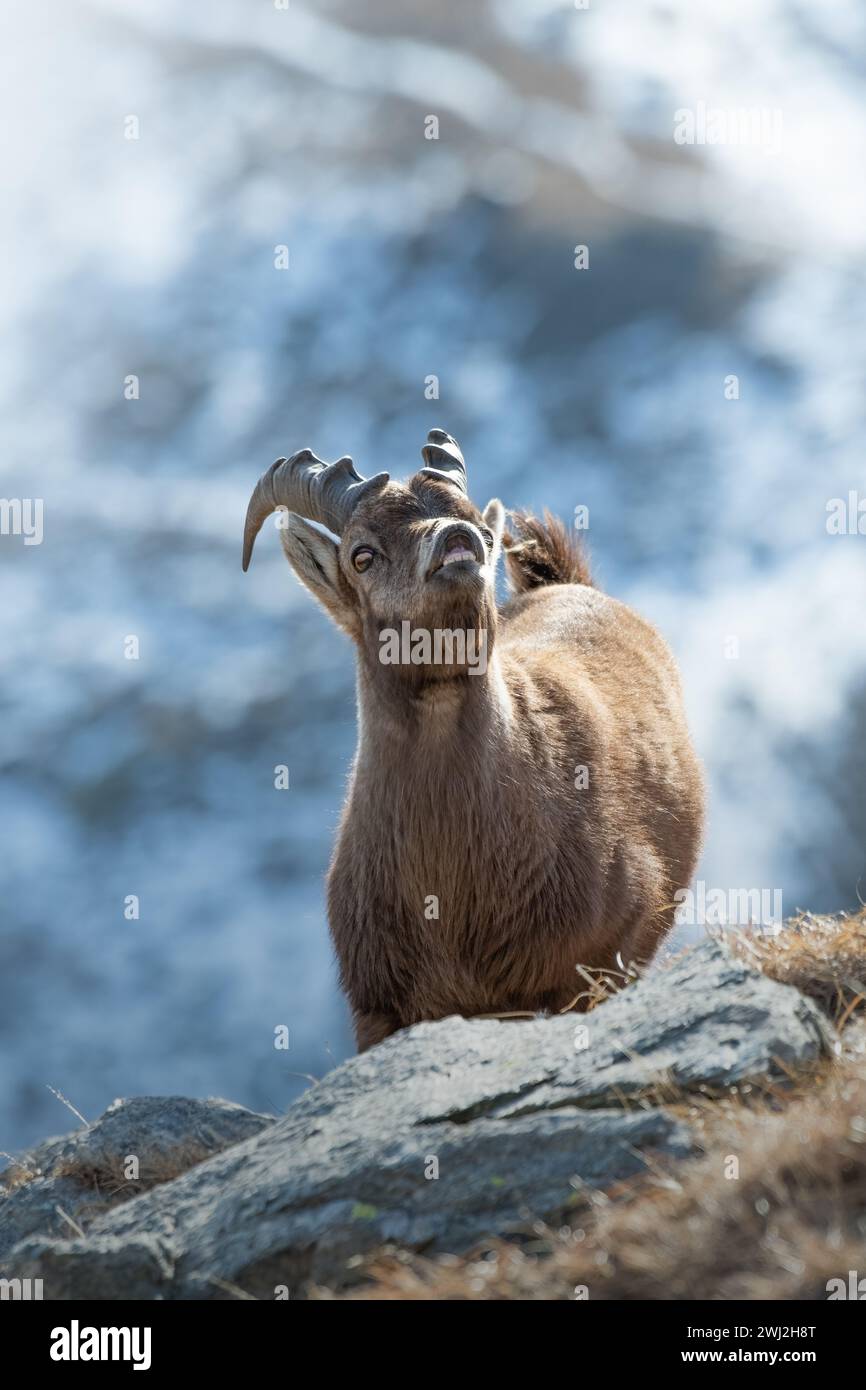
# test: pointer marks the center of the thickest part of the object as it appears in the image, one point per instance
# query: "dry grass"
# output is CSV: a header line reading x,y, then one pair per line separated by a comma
x,y
108,1178
823,957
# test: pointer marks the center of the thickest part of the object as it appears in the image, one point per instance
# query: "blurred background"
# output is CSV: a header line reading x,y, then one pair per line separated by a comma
x,y
262,125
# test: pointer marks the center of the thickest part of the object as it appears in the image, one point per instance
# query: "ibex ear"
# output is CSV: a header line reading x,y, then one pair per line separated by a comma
x,y
494,517
314,558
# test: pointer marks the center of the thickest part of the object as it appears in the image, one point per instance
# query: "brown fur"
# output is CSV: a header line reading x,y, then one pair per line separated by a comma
x,y
463,786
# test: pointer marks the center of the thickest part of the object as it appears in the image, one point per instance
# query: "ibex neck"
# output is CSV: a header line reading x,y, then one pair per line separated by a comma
x,y
394,719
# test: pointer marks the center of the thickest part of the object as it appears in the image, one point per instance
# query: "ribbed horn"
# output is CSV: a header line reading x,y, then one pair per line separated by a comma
x,y
443,458
323,492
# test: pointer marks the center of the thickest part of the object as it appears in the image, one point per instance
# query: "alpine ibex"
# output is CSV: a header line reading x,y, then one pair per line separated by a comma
x,y
521,803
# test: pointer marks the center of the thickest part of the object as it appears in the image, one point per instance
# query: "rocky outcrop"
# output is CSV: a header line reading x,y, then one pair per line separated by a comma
x,y
446,1134
136,1145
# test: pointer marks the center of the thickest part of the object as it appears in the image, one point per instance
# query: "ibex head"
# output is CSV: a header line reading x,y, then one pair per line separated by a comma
x,y
418,551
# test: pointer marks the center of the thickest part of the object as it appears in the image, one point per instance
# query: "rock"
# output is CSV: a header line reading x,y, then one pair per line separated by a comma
x,y
517,1119
68,1180
105,1268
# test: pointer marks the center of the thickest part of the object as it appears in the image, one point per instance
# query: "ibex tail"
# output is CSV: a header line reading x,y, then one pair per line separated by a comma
x,y
544,552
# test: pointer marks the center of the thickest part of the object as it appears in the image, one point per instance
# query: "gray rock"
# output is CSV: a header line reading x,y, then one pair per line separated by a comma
x,y
105,1268
64,1182
519,1119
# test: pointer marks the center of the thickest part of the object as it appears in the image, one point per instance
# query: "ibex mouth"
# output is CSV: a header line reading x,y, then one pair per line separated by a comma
x,y
459,546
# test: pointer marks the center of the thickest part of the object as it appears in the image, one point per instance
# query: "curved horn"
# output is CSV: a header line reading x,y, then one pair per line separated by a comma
x,y
444,460
324,492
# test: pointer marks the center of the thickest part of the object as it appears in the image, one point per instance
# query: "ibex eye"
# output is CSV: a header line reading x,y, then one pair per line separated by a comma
x,y
362,559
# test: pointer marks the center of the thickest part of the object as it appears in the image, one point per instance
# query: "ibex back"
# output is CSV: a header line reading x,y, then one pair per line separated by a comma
x,y
523,802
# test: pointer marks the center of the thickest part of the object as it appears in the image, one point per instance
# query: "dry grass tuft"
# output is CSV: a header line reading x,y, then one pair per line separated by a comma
x,y
107,1178
822,957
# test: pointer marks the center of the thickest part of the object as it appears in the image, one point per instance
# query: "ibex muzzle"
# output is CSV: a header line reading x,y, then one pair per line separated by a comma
x,y
454,543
